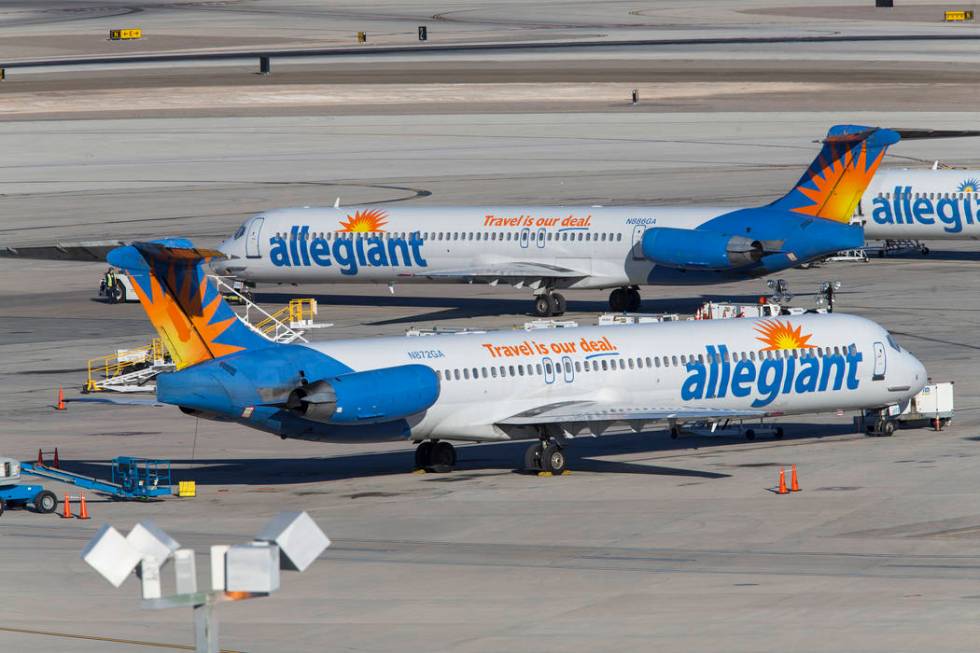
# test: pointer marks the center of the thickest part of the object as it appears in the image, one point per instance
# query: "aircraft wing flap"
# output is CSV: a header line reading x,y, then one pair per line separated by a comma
x,y
596,411
513,270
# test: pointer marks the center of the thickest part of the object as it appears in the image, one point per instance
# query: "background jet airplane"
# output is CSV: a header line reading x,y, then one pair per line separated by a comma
x,y
921,205
551,248
544,385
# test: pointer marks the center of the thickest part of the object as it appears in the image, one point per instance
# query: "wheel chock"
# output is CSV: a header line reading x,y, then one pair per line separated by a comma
x,y
567,472
420,470
545,474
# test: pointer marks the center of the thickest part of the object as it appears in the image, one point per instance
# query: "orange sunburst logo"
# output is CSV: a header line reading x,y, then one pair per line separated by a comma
x,y
364,221
782,335
839,184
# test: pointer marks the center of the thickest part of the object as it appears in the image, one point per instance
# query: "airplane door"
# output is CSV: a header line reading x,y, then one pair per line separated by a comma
x,y
638,242
252,238
569,371
549,370
525,236
540,237
880,362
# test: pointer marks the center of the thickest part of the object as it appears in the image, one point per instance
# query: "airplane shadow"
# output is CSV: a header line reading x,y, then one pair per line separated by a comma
x,y
583,456
455,307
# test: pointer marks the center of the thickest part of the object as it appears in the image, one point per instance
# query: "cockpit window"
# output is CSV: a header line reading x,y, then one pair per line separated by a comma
x,y
893,343
240,232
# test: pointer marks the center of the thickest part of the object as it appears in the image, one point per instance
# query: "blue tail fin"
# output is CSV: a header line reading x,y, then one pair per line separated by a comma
x,y
833,184
185,307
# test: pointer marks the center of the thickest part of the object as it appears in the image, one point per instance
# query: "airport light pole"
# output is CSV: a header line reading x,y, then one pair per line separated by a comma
x,y
291,541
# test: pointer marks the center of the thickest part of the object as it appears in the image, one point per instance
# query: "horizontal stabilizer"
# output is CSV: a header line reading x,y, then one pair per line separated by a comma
x,y
91,252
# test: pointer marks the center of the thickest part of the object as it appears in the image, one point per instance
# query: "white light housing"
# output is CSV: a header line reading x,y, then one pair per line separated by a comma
x,y
299,539
110,554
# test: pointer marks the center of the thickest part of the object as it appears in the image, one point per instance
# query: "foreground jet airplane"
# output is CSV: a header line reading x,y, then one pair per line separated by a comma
x,y
922,205
547,385
552,248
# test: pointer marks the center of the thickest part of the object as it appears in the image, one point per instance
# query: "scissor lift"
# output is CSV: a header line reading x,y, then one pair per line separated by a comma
x,y
132,478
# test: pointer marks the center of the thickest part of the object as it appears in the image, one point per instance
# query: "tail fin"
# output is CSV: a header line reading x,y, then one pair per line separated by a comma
x,y
185,307
833,184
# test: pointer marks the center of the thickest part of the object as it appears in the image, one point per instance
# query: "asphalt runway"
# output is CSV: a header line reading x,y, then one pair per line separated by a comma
x,y
650,543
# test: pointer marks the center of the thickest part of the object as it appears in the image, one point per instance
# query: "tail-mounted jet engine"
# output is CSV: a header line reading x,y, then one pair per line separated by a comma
x,y
700,249
369,397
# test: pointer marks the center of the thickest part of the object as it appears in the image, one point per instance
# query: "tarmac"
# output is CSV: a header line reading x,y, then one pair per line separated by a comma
x,y
678,545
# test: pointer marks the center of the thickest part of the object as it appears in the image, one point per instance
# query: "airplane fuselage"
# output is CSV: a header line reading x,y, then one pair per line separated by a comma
x,y
921,205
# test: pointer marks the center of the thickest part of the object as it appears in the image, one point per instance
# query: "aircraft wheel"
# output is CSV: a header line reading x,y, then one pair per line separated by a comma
x,y
633,300
674,432
560,303
532,457
925,251
553,459
443,455
887,428
618,300
544,305
45,502
750,434
423,455
778,434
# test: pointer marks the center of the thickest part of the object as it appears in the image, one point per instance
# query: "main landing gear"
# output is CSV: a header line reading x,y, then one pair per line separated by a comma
x,y
549,303
545,456
625,299
435,455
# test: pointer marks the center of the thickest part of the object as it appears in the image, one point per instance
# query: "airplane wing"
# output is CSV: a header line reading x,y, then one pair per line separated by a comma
x,y
92,251
597,411
512,270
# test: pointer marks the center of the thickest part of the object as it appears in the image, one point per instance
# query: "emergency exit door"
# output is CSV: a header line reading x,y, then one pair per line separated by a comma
x,y
880,362
252,249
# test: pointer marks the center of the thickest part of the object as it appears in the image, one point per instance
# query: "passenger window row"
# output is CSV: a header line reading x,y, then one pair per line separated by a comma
x,y
638,363
931,196
509,236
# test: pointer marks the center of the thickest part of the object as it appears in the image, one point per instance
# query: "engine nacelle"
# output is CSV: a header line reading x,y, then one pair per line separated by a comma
x,y
369,397
699,249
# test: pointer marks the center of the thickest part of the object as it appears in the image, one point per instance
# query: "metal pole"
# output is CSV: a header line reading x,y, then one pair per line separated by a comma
x,y
205,628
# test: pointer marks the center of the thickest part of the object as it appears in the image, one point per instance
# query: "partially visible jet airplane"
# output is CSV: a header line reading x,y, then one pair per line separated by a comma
x,y
551,248
921,205
546,385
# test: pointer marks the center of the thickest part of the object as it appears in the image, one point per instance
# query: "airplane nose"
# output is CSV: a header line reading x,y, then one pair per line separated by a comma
x,y
919,374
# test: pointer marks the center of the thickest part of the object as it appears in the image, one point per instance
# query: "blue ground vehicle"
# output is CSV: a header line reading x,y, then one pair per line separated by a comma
x,y
13,493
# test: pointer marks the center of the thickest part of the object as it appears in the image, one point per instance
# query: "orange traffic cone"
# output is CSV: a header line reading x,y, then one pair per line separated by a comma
x,y
61,399
782,482
57,462
40,458
794,485
67,513
82,509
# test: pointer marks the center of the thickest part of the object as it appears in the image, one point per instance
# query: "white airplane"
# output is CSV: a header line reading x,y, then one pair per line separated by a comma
x,y
547,385
551,248
917,205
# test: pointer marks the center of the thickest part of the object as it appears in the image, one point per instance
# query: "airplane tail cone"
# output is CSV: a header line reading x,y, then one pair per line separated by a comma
x,y
67,512
82,509
794,484
782,482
